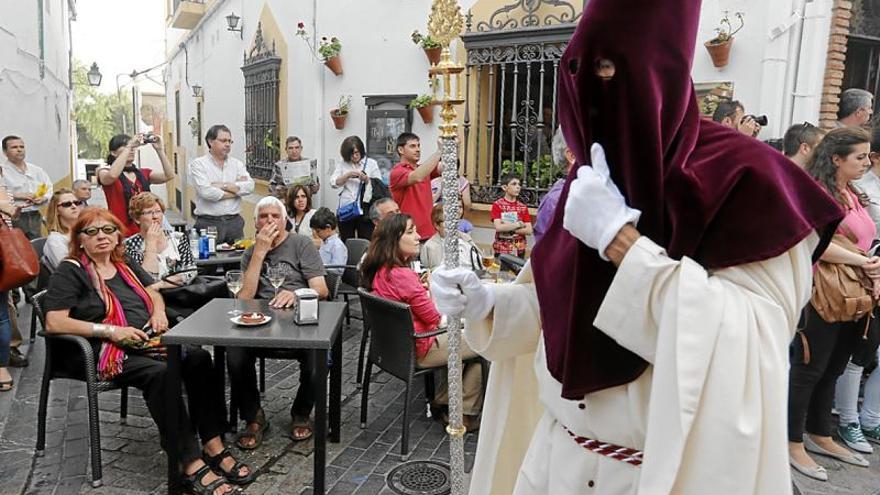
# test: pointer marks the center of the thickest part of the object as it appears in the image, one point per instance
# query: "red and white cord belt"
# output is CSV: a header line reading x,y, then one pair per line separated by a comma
x,y
616,452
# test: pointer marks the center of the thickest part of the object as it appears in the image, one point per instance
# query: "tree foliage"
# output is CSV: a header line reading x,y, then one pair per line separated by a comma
x,y
98,116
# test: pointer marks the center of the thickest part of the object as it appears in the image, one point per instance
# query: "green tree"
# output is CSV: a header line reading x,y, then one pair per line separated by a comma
x,y
98,116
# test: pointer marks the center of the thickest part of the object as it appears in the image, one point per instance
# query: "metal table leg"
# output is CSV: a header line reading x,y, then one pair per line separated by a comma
x,y
172,398
336,388
319,380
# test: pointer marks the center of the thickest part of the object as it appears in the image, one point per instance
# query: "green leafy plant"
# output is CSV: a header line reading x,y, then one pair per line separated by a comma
x,y
725,30
343,106
327,47
542,172
421,101
269,140
426,41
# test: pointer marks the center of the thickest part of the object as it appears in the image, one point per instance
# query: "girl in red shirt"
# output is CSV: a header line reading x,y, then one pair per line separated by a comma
x,y
385,271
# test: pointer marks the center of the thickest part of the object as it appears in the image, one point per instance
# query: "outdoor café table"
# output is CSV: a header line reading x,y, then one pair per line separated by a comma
x,y
210,325
220,262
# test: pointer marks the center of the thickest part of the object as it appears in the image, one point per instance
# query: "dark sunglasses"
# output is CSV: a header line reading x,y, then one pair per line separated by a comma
x,y
68,204
802,134
93,231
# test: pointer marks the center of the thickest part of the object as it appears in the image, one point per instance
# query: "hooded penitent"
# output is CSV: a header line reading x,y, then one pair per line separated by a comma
x,y
705,191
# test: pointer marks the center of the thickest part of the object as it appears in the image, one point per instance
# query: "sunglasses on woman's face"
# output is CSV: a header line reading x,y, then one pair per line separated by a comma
x,y
93,231
68,204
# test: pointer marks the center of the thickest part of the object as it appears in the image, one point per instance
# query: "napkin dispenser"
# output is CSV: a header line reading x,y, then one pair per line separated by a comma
x,y
305,307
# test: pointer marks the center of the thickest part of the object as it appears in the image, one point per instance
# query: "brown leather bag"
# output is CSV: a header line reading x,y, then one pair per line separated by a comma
x,y
842,292
18,260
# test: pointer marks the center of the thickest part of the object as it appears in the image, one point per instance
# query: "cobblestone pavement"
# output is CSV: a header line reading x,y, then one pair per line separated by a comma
x,y
133,462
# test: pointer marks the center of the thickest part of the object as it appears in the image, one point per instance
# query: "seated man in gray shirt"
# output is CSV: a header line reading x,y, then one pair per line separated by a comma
x,y
301,264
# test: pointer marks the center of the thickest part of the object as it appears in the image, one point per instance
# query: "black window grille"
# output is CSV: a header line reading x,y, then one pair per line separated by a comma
x,y
261,68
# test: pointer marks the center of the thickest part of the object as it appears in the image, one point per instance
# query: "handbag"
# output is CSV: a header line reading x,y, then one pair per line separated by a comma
x,y
18,259
842,292
353,210
196,294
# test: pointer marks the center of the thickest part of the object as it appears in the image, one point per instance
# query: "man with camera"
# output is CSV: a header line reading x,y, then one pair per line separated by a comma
x,y
732,114
122,178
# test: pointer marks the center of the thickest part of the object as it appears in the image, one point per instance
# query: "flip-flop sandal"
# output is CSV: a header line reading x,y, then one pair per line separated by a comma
x,y
301,423
256,435
233,475
6,385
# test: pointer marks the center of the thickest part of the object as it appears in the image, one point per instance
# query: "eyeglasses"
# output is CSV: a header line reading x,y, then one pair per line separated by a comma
x,y
152,213
93,231
68,204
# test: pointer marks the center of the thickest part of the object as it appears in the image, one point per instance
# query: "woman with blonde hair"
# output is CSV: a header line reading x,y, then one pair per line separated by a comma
x,y
63,210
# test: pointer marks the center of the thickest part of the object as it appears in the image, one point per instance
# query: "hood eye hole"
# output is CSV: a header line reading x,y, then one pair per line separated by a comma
x,y
573,65
605,69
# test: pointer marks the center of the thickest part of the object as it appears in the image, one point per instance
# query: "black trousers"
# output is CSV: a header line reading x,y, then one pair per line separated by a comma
x,y
230,228
362,226
206,398
241,363
811,386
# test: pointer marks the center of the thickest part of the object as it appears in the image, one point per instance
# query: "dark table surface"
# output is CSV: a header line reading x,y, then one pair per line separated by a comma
x,y
210,325
221,258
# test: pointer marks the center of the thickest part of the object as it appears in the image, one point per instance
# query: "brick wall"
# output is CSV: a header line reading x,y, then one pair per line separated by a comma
x,y
835,62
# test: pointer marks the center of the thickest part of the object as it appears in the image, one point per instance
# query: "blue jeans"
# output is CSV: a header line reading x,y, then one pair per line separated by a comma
x,y
5,330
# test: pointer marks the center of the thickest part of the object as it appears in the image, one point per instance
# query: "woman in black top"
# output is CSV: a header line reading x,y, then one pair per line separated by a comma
x,y
95,294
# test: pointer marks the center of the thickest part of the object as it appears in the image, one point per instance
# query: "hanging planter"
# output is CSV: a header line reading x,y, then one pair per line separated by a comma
x,y
432,47
334,64
340,113
425,105
719,46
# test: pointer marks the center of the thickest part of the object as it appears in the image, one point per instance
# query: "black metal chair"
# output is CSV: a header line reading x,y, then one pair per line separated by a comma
x,y
41,282
57,347
333,282
392,349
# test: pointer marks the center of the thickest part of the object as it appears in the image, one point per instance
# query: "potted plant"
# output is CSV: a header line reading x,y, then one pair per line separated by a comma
x,y
432,47
719,46
340,113
425,105
328,49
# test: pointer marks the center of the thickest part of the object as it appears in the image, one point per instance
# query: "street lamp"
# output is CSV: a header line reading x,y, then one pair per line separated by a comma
x,y
197,91
232,22
94,75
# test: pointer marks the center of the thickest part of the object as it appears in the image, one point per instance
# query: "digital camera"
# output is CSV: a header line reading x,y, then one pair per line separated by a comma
x,y
150,138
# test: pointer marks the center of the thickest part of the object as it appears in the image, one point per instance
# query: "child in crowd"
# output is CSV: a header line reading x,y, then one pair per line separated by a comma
x,y
332,249
511,219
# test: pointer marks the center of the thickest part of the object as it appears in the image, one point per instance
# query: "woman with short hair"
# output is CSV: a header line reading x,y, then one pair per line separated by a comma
x,y
353,172
155,249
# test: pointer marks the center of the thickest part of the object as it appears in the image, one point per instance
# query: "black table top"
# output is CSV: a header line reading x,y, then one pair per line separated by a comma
x,y
210,325
222,258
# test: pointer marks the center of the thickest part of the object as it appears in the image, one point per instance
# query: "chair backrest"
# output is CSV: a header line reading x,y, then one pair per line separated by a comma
x,y
333,280
45,274
38,307
356,250
511,262
390,323
38,244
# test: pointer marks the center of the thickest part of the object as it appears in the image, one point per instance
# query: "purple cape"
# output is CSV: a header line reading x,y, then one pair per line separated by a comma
x,y
705,191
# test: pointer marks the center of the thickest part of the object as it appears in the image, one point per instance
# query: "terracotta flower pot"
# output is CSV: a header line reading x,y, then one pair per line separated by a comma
x,y
720,52
338,119
433,55
334,64
427,113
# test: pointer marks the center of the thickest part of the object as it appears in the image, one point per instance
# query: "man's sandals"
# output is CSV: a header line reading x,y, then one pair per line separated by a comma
x,y
301,428
6,385
233,475
193,483
256,435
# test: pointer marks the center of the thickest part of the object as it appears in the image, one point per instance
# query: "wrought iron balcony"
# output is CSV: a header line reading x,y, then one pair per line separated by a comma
x,y
187,13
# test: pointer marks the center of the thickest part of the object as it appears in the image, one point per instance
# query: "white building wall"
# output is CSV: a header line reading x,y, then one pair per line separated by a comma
x,y
32,106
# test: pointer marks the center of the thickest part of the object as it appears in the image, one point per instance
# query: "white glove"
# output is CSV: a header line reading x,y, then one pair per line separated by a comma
x,y
595,210
459,291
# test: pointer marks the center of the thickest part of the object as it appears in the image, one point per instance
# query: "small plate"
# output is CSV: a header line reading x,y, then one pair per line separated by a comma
x,y
226,247
237,321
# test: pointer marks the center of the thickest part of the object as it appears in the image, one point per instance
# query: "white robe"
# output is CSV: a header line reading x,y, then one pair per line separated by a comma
x,y
718,348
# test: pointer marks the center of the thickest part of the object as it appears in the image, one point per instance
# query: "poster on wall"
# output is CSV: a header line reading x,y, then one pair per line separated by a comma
x,y
383,127
709,94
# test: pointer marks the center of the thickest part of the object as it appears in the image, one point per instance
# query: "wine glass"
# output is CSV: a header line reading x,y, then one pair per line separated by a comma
x,y
233,282
276,277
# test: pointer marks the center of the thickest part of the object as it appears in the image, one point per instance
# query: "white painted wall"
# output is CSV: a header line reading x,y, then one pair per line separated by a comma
x,y
33,107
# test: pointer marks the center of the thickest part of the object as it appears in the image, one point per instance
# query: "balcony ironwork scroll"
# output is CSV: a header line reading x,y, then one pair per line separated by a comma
x,y
529,14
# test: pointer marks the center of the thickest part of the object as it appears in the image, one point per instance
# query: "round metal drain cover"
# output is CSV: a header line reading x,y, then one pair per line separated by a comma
x,y
419,478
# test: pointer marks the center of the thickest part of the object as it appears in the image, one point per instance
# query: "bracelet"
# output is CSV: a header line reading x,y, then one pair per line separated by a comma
x,y
103,331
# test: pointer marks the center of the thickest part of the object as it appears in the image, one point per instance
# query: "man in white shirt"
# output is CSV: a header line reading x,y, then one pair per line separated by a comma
x,y
220,181
29,185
